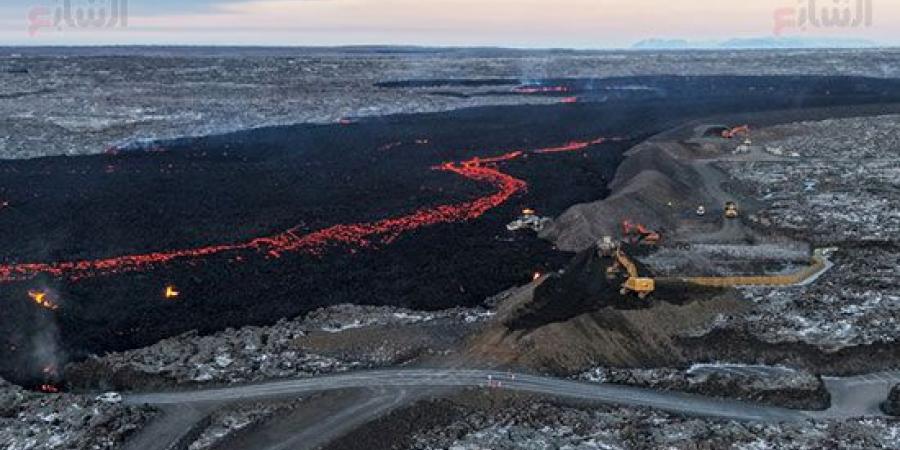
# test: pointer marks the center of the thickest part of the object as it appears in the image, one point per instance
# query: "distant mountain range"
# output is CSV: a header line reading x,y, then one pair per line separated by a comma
x,y
754,43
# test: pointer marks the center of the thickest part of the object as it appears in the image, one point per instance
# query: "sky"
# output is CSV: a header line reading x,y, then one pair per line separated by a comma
x,y
508,23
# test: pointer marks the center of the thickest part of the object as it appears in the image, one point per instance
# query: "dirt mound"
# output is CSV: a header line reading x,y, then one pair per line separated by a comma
x,y
648,184
578,320
582,288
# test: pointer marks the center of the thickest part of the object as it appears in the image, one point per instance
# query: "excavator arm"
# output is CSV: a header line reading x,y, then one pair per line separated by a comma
x,y
624,261
643,287
634,283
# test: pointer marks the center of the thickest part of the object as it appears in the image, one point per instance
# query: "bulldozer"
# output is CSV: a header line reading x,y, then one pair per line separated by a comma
x,y
642,286
529,220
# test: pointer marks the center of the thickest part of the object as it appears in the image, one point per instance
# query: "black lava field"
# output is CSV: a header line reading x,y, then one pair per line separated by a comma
x,y
251,227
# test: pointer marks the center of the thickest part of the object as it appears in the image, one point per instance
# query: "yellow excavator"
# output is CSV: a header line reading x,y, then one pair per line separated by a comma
x,y
642,286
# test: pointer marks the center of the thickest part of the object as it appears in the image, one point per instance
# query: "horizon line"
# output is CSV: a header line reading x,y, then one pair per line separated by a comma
x,y
633,47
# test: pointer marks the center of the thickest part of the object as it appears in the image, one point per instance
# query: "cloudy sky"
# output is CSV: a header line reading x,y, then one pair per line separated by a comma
x,y
513,23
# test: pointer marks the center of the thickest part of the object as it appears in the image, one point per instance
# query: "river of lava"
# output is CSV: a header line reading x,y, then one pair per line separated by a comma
x,y
573,146
359,235
482,170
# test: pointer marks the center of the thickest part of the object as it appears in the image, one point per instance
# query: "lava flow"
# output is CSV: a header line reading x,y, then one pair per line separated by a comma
x,y
573,146
483,170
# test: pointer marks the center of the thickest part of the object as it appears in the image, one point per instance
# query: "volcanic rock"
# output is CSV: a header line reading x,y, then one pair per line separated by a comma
x,y
329,340
30,420
892,405
772,386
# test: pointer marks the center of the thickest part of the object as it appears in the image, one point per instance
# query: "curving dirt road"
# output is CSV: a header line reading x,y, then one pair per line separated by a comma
x,y
388,389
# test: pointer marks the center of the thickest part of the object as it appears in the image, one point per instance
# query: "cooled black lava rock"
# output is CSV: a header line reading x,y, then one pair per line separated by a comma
x,y
230,189
224,190
796,390
892,405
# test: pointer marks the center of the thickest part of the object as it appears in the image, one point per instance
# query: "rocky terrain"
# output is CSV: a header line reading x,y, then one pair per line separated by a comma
x,y
75,101
829,183
478,420
839,190
832,181
774,386
844,321
31,421
330,340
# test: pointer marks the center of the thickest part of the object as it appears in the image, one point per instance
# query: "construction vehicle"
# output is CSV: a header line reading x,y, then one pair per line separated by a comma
x,y
635,233
642,286
731,210
734,132
529,220
744,148
110,397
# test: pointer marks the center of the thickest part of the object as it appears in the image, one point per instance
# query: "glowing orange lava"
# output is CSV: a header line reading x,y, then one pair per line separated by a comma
x,y
385,231
573,146
40,298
